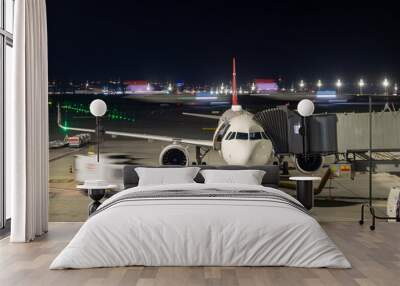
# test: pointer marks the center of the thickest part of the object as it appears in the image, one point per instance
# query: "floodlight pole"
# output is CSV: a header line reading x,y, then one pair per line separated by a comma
x,y
370,150
369,204
98,137
98,108
305,146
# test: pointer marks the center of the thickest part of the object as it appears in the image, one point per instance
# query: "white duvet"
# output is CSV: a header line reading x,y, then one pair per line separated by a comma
x,y
200,231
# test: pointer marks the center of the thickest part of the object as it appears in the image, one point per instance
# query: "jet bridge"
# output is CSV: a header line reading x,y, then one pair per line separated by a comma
x,y
308,139
345,135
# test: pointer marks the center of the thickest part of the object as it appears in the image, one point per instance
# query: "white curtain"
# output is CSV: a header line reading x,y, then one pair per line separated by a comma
x,y
27,123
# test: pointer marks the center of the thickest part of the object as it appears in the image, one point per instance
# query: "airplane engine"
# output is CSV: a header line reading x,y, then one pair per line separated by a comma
x,y
309,163
174,154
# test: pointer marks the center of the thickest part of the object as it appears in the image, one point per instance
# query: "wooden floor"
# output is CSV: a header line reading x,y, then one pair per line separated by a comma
x,y
375,257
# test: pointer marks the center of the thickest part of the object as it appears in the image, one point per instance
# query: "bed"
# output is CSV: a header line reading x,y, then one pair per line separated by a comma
x,y
201,224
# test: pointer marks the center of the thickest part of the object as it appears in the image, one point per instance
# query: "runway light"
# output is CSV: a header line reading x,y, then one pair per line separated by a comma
x,y
395,87
169,87
65,127
319,83
253,87
361,83
385,83
301,84
339,83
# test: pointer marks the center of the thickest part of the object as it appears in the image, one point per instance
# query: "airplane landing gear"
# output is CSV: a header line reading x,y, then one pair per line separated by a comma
x,y
201,152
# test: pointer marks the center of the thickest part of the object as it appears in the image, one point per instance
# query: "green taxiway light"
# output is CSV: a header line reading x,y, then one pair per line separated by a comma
x,y
113,114
65,128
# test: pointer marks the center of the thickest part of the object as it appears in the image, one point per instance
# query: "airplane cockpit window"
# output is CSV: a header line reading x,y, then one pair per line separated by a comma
x,y
242,136
222,131
231,136
227,136
255,135
264,135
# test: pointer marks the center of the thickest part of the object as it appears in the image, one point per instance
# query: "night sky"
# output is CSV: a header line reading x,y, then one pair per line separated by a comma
x,y
195,40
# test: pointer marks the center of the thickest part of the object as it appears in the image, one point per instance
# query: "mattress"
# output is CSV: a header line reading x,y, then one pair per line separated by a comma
x,y
201,225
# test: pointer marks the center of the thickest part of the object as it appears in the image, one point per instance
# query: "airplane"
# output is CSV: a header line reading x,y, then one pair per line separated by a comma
x,y
238,138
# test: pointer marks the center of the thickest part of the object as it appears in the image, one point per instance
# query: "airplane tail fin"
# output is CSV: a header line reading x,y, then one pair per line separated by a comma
x,y
234,88
235,103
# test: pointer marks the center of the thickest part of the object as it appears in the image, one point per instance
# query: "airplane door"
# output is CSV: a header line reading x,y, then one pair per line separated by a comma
x,y
219,135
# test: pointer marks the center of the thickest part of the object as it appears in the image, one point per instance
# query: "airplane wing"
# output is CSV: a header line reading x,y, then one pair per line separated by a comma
x,y
196,142
209,116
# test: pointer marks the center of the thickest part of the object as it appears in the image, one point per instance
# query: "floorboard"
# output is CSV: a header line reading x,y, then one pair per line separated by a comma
x,y
375,257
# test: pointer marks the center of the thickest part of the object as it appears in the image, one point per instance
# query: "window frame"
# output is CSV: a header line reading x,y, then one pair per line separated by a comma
x,y
6,39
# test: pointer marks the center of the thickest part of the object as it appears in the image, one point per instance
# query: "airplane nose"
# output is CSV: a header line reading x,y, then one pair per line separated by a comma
x,y
246,153
239,153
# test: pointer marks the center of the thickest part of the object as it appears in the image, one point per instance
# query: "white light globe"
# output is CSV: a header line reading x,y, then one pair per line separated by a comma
x,y
98,107
305,107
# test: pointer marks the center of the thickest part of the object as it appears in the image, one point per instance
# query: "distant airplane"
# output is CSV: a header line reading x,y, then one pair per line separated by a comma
x,y
238,138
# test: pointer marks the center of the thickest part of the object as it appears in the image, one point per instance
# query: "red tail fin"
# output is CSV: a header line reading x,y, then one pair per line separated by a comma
x,y
234,89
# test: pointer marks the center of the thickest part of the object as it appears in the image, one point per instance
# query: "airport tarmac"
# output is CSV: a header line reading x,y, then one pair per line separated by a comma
x,y
339,201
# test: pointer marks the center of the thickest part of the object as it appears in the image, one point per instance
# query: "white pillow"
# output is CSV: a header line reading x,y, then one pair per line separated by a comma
x,y
248,177
166,176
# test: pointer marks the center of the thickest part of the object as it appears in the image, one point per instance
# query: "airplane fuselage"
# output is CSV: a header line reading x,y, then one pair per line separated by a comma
x,y
242,141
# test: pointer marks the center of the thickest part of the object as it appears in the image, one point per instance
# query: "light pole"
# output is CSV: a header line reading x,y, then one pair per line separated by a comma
x,y
361,85
339,85
319,84
305,108
302,84
253,87
98,108
386,84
